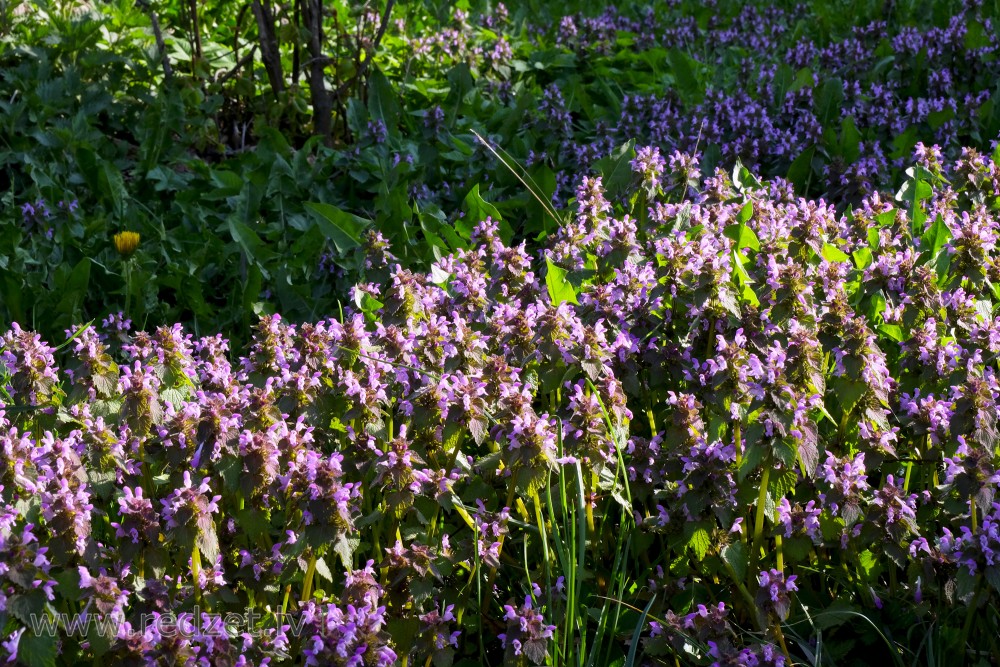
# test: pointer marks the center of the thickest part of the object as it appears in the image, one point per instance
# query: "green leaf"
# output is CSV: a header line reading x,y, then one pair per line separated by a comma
x,y
829,101
936,236
37,650
700,542
743,235
616,169
255,249
477,209
743,179
893,331
832,253
684,69
344,547
914,190
560,289
735,555
113,187
745,213
366,302
800,170
382,98
862,258
850,141
343,229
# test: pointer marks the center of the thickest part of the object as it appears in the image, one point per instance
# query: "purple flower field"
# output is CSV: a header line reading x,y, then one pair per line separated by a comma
x,y
469,334
711,431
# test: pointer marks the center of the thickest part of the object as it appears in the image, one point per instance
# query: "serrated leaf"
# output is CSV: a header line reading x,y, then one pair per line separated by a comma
x,y
745,213
862,258
344,547
735,555
743,179
208,543
37,650
700,541
323,570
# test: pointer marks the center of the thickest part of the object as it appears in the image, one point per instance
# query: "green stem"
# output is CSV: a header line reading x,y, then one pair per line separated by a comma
x,y
747,598
973,515
781,641
127,266
195,572
500,540
284,603
738,443
758,528
307,582
971,614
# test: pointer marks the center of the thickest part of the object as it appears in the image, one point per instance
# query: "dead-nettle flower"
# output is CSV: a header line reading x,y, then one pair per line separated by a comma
x,y
139,521
191,507
847,483
104,592
649,166
352,635
774,594
29,364
66,508
800,520
436,633
977,550
489,530
527,633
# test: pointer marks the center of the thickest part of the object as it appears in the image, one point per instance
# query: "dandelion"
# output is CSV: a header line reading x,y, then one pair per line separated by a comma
x,y
126,243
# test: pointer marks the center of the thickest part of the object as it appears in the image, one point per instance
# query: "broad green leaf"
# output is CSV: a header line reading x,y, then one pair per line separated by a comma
x,y
735,555
745,213
684,69
862,258
850,141
743,235
476,210
801,170
382,98
832,253
936,236
257,252
829,101
700,541
560,289
616,169
743,179
342,228
37,650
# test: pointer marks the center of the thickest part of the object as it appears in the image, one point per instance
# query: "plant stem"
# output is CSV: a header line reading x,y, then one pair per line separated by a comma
x,y
758,528
307,582
781,641
738,443
971,614
195,572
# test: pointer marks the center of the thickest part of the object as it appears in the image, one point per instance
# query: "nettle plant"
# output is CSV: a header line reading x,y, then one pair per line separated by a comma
x,y
713,424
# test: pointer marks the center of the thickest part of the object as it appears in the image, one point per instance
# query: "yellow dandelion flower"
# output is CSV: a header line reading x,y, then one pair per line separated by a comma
x,y
126,243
